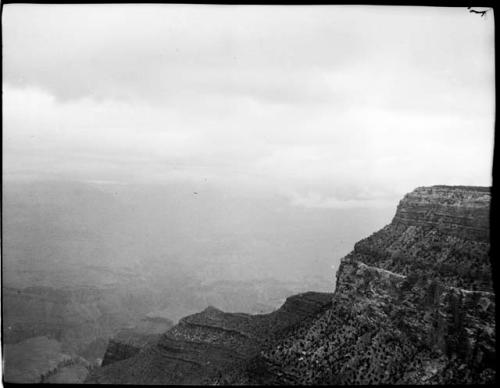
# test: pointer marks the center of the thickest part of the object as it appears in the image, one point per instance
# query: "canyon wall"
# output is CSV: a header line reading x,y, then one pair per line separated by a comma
x,y
413,304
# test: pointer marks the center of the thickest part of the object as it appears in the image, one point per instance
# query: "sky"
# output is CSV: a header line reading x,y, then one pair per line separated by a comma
x,y
331,106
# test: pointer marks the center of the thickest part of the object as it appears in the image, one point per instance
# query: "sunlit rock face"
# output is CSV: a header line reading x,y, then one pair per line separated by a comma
x,y
413,304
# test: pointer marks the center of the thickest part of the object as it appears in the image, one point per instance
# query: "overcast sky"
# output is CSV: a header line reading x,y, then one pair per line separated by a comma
x,y
330,105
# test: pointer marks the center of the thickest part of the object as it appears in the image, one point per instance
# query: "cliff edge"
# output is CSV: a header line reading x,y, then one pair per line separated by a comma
x,y
438,232
413,304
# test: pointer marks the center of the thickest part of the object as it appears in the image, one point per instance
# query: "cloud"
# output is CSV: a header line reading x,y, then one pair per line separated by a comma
x,y
330,106
161,52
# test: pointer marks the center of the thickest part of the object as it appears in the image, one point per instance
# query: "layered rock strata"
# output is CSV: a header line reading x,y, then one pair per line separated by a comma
x,y
413,304
438,232
203,347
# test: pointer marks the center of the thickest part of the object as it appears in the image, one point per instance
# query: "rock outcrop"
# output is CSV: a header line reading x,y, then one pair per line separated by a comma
x,y
413,304
128,342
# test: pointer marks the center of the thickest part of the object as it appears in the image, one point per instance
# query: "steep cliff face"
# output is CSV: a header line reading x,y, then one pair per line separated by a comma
x,y
460,211
413,304
438,232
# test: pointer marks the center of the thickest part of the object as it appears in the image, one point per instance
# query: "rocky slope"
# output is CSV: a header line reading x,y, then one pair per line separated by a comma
x,y
413,303
203,347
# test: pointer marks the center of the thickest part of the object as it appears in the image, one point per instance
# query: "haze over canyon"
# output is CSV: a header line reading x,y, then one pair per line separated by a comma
x,y
220,194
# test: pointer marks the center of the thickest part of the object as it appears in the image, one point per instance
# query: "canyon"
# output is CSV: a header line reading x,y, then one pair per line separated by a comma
x,y
413,303
87,265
